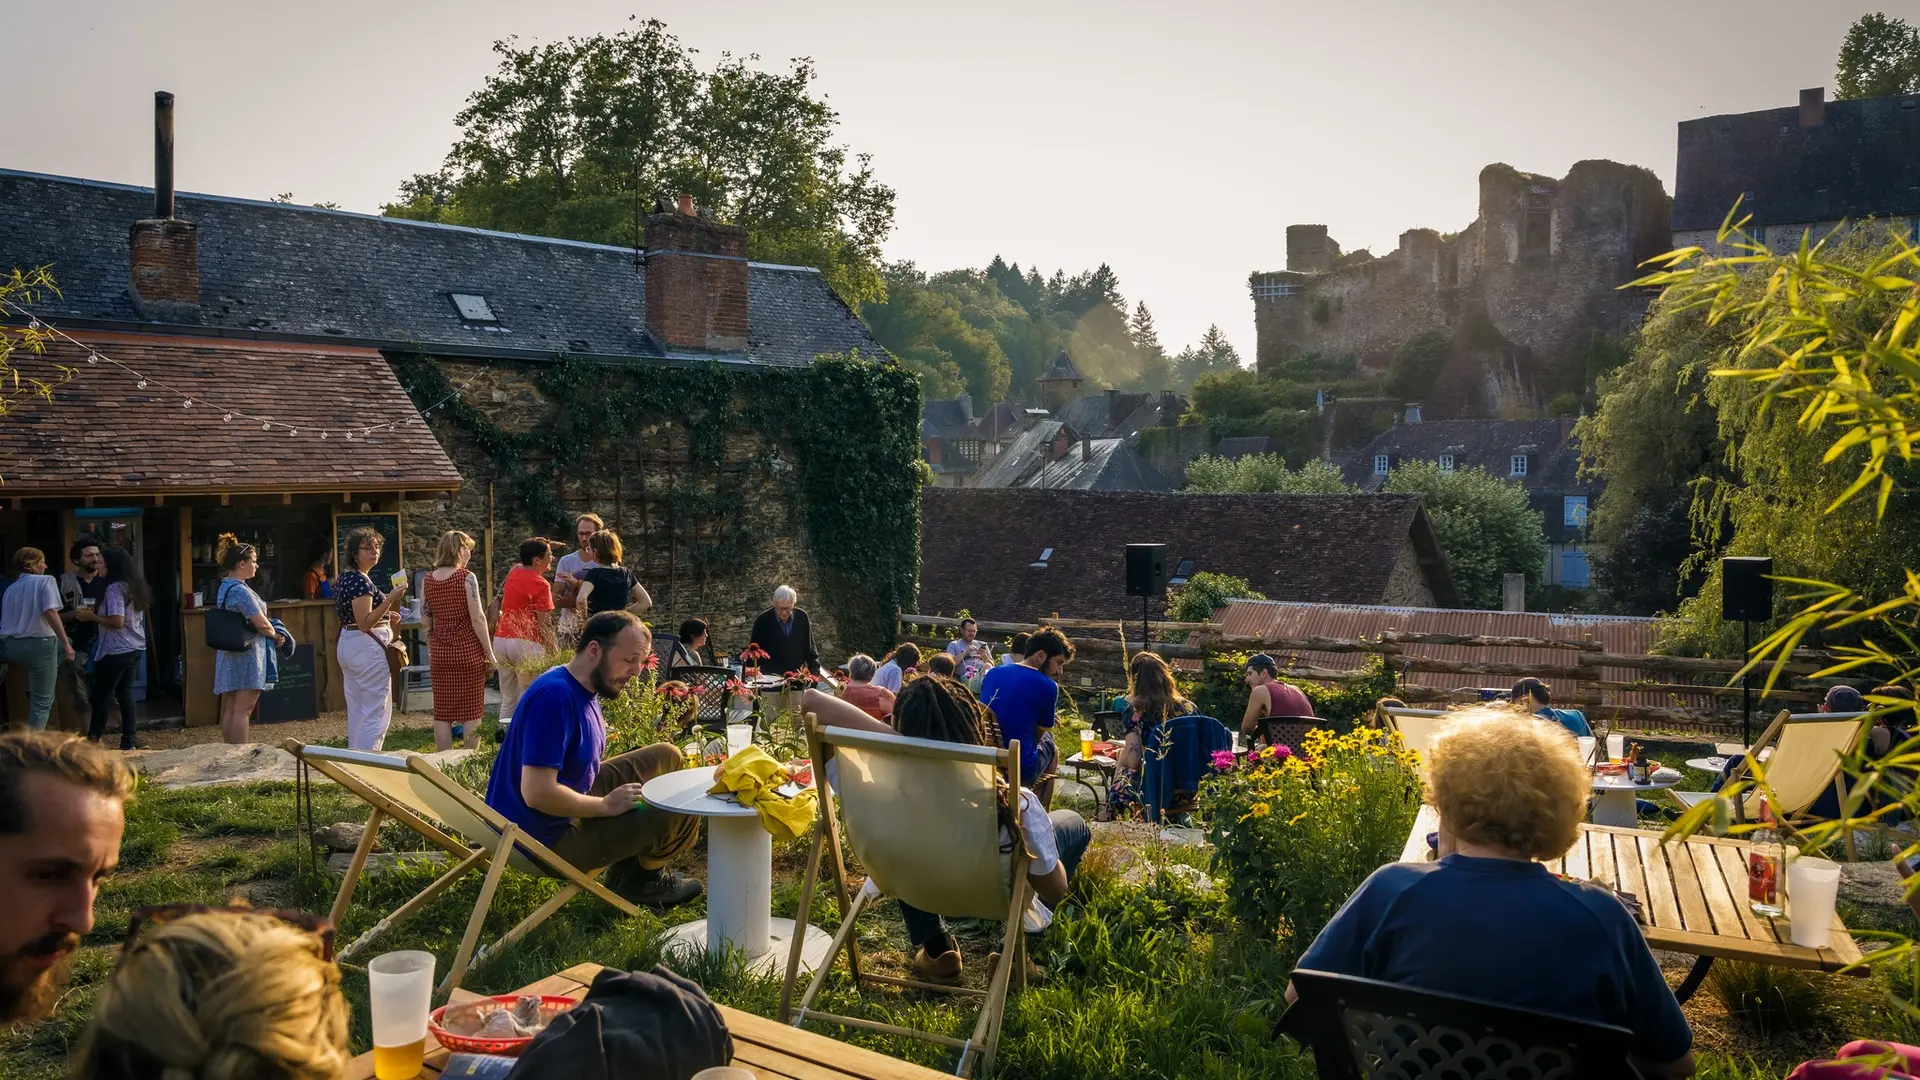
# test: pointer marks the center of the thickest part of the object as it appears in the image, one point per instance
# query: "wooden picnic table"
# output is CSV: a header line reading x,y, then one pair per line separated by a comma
x,y
766,1048
1693,893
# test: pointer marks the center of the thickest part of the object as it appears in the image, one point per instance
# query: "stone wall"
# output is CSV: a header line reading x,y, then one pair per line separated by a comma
x,y
1520,292
665,542
1408,587
1785,238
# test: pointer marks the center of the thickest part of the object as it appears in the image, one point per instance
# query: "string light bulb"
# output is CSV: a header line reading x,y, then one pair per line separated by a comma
x,y
93,358
141,385
187,404
227,417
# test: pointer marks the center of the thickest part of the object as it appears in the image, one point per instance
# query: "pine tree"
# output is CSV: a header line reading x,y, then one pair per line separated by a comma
x,y
1140,328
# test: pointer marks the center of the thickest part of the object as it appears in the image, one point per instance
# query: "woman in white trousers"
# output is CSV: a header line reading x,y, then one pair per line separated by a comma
x,y
367,624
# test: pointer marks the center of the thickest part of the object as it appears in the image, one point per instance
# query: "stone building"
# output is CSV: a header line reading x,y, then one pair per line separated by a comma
x,y
1517,295
475,329
1799,169
1016,555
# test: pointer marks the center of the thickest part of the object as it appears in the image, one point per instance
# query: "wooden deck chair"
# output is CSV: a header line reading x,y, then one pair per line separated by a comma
x,y
1808,752
398,791
1418,729
922,818
504,845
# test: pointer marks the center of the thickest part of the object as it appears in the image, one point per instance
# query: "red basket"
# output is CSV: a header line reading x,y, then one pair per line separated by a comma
x,y
551,1005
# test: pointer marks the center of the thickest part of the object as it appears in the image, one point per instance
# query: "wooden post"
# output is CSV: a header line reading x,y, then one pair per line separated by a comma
x,y
487,539
186,554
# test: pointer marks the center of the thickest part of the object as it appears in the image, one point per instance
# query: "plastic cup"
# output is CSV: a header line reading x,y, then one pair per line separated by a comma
x,y
723,1072
739,737
1586,748
1812,887
1616,747
400,995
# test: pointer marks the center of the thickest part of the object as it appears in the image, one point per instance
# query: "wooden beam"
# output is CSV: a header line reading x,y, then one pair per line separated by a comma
x,y
159,498
286,498
1491,641
223,499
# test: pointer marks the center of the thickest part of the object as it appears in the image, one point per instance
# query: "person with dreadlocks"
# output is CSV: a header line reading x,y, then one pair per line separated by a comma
x,y
939,708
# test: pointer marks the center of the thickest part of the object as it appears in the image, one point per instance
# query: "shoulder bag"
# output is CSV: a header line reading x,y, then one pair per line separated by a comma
x,y
228,630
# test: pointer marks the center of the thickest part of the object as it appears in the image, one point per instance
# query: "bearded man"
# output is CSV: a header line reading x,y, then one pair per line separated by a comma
x,y
549,778
61,813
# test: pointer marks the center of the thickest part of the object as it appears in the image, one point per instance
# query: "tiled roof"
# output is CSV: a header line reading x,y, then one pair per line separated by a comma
x,y
977,547
101,432
1114,414
1088,464
1618,634
948,417
299,271
1862,160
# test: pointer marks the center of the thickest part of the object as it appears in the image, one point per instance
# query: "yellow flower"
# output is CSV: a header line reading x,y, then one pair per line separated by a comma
x,y
1261,809
1298,818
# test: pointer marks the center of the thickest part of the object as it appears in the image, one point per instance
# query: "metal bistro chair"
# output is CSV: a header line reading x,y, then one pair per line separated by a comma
x,y
1363,1029
709,686
1287,731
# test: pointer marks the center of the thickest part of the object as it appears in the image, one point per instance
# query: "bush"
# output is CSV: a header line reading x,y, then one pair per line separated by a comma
x,y
1294,836
1221,692
1205,593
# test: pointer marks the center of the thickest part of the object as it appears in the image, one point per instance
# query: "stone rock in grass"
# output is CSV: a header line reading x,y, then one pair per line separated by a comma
x,y
379,862
209,764
341,836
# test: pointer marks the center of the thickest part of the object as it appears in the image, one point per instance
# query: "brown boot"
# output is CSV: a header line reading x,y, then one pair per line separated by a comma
x,y
1036,975
943,969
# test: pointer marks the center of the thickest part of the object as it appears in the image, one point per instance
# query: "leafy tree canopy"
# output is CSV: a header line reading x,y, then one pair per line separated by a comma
x,y
1265,473
1483,523
576,138
1880,57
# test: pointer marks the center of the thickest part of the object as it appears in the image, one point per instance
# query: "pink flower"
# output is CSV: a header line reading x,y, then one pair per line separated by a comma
x,y
1224,761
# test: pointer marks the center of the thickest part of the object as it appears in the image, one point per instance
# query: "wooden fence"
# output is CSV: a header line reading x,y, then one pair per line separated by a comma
x,y
1695,694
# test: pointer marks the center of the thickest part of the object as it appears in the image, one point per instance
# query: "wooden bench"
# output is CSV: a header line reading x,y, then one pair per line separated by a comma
x,y
769,1050
1693,893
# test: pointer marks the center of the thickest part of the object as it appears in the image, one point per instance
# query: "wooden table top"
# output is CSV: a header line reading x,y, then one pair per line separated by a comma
x,y
1693,892
768,1049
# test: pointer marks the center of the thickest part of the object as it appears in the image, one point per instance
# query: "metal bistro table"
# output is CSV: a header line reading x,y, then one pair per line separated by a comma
x,y
1614,797
739,878
1693,894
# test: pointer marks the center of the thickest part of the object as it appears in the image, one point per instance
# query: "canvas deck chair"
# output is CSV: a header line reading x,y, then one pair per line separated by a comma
x,y
410,790
922,818
1808,752
1418,729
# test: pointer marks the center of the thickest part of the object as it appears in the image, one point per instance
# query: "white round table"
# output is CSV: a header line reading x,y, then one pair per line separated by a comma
x,y
1708,764
739,879
1615,795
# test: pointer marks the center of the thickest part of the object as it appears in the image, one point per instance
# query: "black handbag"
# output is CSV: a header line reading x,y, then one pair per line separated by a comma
x,y
228,630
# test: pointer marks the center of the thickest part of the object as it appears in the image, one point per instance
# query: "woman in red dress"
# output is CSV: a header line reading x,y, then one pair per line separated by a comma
x,y
459,649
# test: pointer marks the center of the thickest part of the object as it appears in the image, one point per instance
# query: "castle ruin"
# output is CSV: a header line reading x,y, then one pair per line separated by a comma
x,y
1518,296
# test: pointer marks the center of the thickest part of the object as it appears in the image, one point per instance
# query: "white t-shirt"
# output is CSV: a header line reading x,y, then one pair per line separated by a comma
x,y
575,563
888,676
26,600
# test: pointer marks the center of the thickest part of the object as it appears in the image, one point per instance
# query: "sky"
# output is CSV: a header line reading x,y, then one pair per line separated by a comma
x,y
1174,142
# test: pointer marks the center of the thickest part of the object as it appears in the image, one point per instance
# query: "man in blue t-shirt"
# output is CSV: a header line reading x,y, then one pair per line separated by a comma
x,y
1489,922
549,778
1022,697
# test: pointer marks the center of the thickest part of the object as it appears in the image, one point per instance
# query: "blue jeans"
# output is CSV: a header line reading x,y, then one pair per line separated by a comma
x,y
40,656
929,931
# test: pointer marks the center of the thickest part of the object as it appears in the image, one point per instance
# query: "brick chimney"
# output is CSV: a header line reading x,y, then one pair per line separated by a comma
x,y
163,252
696,280
1813,106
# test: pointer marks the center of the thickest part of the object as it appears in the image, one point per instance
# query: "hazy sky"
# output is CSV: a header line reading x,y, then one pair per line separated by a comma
x,y
1174,141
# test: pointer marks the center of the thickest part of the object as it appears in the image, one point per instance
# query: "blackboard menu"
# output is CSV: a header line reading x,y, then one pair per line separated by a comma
x,y
295,694
388,526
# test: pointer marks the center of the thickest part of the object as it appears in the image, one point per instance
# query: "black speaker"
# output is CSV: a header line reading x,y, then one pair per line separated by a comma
x,y
1746,592
1146,569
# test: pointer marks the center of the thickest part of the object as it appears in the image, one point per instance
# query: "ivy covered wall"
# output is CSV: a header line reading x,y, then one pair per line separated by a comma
x,y
722,481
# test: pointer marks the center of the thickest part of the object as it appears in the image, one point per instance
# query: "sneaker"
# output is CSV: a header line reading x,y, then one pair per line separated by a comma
x,y
943,969
653,888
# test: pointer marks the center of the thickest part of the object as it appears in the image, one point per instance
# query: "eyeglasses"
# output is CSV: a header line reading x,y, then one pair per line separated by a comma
x,y
162,914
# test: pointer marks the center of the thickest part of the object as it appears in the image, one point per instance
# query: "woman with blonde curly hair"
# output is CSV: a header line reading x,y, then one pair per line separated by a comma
x,y
219,995
1487,921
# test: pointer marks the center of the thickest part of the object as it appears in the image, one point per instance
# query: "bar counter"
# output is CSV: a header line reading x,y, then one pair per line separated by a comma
x,y
311,622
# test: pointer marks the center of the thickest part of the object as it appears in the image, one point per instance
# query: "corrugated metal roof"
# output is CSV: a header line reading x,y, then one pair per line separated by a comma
x,y
1618,634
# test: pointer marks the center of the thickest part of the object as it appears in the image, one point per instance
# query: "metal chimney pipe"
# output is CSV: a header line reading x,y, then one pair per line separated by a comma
x,y
162,154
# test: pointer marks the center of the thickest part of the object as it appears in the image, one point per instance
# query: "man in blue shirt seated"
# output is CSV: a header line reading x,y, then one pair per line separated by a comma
x,y
550,781
1022,697
1489,922
1533,696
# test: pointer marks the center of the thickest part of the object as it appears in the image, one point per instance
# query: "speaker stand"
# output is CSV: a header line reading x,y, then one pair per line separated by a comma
x,y
1746,684
1146,630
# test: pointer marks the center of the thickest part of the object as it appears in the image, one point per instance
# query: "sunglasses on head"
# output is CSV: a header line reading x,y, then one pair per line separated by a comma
x,y
162,914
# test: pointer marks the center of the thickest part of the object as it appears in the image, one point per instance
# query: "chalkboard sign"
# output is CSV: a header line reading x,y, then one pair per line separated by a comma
x,y
295,694
388,526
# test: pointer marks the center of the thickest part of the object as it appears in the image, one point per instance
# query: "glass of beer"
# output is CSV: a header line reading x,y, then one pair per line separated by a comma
x,y
1086,744
400,993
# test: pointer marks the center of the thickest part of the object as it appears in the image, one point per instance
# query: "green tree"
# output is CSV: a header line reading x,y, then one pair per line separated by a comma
x,y
576,138
1265,473
1205,593
936,329
1154,368
1214,354
1880,57
1483,523
20,293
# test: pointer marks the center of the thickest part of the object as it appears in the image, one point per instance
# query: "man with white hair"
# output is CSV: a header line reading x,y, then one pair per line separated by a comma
x,y
786,634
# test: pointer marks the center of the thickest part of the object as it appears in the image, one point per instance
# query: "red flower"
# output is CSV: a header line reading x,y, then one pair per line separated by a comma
x,y
736,688
753,652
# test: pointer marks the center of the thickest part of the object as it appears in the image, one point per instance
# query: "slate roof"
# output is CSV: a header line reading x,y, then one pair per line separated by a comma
x,y
977,547
1863,160
1089,465
1063,368
950,418
1111,413
280,270
102,433
1553,465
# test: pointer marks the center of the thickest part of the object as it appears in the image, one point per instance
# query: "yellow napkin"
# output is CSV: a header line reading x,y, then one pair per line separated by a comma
x,y
753,777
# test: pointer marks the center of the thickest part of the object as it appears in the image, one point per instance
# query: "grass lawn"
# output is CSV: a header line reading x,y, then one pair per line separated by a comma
x,y
1148,975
